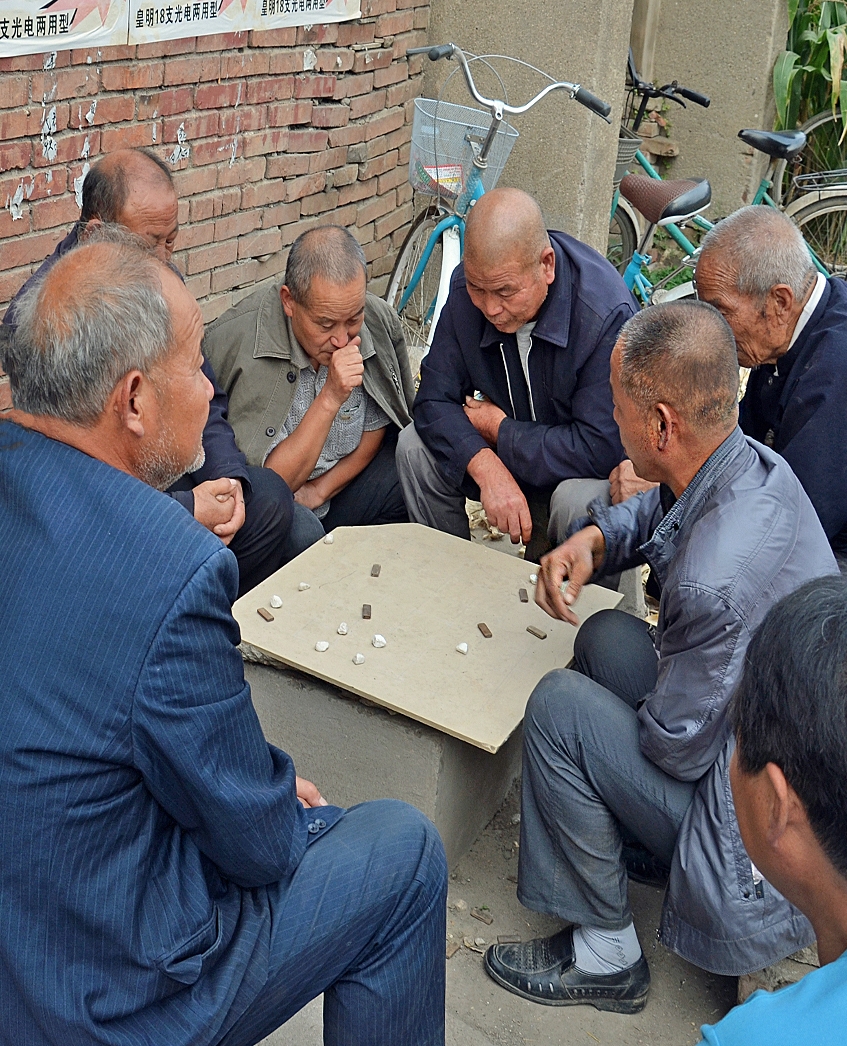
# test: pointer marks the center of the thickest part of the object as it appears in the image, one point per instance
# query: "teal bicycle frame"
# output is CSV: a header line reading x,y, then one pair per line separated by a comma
x,y
474,190
636,277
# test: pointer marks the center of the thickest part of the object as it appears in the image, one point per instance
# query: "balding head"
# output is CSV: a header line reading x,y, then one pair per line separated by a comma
x,y
331,252
509,262
97,314
755,268
505,223
133,188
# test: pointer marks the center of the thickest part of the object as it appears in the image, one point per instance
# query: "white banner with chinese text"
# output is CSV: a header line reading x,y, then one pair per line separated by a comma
x,y
36,26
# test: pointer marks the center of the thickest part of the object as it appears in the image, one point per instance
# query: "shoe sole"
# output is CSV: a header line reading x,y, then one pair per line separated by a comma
x,y
608,1005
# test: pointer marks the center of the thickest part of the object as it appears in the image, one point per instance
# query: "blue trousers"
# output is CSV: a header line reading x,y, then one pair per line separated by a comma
x,y
586,784
363,921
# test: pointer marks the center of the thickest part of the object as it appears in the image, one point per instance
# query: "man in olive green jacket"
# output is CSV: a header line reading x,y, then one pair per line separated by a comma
x,y
319,384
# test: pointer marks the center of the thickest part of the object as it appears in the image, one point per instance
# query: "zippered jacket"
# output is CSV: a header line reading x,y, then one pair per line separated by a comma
x,y
563,427
742,535
250,349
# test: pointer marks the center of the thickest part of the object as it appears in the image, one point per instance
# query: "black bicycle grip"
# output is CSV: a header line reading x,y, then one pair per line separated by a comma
x,y
695,96
592,102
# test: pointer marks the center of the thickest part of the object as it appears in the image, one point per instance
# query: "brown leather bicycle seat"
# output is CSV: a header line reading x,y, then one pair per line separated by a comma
x,y
661,202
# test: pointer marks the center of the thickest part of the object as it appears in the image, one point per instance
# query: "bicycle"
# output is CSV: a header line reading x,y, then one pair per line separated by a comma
x,y
825,152
455,158
820,212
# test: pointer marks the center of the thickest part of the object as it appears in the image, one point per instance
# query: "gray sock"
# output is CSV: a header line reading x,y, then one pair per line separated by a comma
x,y
605,951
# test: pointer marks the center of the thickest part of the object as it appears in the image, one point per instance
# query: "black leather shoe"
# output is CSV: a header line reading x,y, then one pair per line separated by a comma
x,y
543,970
644,867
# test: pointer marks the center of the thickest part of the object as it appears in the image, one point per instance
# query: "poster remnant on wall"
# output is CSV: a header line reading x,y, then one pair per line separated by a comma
x,y
38,26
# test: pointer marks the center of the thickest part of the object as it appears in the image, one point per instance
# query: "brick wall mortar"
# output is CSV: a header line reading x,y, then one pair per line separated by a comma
x,y
260,147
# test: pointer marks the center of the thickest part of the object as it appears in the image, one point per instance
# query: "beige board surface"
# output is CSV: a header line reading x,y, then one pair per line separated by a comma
x,y
432,591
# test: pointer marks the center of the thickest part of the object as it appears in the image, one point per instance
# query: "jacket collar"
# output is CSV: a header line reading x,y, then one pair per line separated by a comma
x,y
275,338
554,317
664,542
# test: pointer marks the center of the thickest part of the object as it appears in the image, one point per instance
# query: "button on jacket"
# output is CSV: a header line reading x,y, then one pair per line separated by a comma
x,y
250,349
574,433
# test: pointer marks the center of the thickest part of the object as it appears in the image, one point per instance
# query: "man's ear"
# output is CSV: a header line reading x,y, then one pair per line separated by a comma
x,y
129,400
781,303
783,803
548,265
663,426
287,301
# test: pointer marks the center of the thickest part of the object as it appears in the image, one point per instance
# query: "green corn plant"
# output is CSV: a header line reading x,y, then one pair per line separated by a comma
x,y
807,76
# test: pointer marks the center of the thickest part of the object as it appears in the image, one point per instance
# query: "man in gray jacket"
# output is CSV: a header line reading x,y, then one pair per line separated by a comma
x,y
318,380
635,742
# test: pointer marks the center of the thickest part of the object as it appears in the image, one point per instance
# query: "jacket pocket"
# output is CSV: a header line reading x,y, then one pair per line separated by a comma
x,y
186,961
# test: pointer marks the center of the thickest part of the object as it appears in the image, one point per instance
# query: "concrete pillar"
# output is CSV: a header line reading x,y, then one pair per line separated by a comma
x,y
727,51
565,156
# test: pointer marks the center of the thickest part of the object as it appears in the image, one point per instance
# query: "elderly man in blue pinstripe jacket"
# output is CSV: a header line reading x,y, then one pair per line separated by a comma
x,y
165,877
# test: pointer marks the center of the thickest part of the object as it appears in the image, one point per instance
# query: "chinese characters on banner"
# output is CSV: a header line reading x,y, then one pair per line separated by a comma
x,y
34,26
152,20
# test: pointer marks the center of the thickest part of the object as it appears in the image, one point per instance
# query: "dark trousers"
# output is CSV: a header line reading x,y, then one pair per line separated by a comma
x,y
586,785
267,539
373,497
363,921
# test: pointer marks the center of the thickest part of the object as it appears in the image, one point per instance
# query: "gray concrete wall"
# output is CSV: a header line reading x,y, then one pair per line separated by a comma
x,y
726,50
566,155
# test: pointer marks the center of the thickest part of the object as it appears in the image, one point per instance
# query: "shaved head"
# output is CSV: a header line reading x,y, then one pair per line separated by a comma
x,y
509,261
505,223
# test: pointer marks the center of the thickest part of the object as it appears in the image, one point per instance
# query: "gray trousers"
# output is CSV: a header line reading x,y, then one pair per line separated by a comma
x,y
431,499
436,502
585,781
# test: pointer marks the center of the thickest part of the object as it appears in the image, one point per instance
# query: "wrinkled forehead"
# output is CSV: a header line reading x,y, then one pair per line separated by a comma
x,y
335,300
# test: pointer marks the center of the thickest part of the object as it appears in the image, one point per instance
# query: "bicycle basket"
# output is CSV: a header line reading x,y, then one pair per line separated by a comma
x,y
445,138
628,145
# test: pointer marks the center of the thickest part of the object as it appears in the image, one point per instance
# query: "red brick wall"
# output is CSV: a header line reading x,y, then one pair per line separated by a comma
x,y
273,149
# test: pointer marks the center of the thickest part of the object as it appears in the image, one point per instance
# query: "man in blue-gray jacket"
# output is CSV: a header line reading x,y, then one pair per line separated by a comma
x,y
529,323
165,876
634,742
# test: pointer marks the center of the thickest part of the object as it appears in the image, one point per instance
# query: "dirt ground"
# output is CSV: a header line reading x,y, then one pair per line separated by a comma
x,y
480,1013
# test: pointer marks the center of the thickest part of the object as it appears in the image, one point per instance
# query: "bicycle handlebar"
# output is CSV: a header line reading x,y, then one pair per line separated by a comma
x,y
592,102
498,107
695,96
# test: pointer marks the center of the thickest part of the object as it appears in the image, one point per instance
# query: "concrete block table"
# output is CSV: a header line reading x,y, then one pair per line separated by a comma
x,y
439,728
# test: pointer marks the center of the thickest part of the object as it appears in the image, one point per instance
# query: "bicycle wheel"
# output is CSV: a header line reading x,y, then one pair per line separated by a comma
x,y
416,317
623,239
823,223
823,152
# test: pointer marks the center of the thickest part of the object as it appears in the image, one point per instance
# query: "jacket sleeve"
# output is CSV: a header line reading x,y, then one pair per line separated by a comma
x,y
223,458
682,725
439,406
811,436
587,446
625,528
198,743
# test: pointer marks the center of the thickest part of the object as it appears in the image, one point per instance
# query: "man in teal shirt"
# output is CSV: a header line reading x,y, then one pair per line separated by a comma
x,y
789,783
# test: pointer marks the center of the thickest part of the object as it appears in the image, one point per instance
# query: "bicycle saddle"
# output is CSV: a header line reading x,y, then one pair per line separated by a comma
x,y
662,202
783,145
